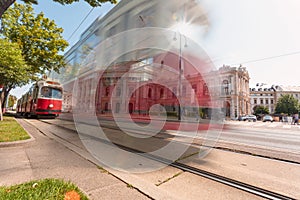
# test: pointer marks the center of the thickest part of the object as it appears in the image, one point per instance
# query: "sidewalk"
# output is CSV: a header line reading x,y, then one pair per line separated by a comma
x,y
50,156
46,158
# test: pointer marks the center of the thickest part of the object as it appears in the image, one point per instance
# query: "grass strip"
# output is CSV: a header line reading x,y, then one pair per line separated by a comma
x,y
168,179
50,189
10,130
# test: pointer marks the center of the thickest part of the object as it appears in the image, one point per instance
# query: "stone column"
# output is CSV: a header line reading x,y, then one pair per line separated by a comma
x,y
232,105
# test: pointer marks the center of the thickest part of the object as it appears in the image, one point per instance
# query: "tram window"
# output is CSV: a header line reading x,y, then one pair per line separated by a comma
x,y
35,92
49,92
45,92
56,93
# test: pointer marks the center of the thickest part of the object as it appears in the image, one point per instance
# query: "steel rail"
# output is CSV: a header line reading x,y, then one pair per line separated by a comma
x,y
209,175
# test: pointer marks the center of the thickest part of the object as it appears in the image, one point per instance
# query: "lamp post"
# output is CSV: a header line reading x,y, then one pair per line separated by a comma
x,y
180,70
179,78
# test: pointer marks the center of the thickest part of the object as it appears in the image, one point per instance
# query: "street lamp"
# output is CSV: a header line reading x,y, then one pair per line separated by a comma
x,y
180,69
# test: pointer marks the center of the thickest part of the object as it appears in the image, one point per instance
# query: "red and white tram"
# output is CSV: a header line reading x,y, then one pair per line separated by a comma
x,y
43,99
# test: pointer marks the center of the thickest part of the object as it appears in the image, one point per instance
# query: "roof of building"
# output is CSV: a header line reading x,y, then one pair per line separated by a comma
x,y
262,87
288,88
273,87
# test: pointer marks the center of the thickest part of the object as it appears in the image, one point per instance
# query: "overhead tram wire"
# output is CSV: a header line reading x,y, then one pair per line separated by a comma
x,y
267,58
80,24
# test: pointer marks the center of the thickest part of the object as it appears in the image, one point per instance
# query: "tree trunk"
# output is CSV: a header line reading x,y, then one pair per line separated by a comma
x,y
1,114
4,5
4,96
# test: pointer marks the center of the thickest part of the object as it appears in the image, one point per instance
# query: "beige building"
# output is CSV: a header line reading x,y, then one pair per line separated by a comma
x,y
267,95
264,95
291,90
234,82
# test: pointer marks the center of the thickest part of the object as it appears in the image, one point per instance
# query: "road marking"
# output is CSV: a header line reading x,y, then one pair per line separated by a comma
x,y
247,124
286,126
272,125
258,125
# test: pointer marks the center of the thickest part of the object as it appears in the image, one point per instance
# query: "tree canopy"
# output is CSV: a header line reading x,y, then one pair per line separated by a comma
x,y
11,101
260,110
37,42
4,4
13,69
93,3
287,104
38,37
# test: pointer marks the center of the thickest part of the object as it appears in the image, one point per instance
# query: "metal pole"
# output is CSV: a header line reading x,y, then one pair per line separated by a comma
x,y
179,79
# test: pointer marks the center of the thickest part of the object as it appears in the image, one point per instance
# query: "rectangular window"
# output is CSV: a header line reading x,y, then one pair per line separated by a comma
x,y
255,101
261,101
267,101
272,102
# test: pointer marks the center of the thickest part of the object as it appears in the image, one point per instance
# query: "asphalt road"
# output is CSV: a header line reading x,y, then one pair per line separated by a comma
x,y
276,140
274,136
270,135
267,173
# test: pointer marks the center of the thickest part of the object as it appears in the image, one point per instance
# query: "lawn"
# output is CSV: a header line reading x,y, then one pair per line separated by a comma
x,y
10,130
50,189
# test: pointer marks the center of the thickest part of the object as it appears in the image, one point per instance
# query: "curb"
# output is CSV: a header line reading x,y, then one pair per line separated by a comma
x,y
19,142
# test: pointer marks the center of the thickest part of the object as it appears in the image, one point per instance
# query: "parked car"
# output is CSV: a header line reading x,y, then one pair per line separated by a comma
x,y
268,118
242,118
247,117
251,118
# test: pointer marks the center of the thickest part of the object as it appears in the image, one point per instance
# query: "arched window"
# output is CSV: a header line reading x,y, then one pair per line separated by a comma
x,y
107,91
161,93
118,92
106,107
149,93
225,85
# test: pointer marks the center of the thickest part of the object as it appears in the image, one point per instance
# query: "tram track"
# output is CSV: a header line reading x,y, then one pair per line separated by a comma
x,y
186,168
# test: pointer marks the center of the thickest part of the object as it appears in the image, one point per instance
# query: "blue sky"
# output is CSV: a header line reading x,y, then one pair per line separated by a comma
x,y
253,29
69,17
239,31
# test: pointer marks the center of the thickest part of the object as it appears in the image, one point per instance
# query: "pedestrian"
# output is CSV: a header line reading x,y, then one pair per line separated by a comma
x,y
293,119
296,119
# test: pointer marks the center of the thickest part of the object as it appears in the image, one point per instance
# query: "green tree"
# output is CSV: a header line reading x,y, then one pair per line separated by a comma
x,y
13,69
5,4
287,104
11,101
260,110
38,38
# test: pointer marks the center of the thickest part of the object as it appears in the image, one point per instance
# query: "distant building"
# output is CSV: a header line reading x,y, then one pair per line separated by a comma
x,y
267,95
234,82
291,90
263,94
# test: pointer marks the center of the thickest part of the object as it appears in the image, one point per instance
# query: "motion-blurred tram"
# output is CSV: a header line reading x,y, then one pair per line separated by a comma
x,y
135,63
44,98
